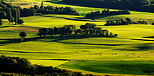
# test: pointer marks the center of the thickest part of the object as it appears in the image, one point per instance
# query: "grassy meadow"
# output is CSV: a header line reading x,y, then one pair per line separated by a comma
x,y
131,53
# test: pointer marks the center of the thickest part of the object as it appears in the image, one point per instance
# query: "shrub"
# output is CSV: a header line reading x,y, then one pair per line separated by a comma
x,y
20,21
22,66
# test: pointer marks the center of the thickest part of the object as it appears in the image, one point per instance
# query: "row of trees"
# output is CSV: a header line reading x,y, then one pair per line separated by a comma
x,y
125,21
12,13
106,12
89,29
23,66
55,10
137,5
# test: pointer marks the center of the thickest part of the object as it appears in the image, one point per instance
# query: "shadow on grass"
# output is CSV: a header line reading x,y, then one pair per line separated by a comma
x,y
74,19
144,47
57,39
149,37
93,44
63,3
15,40
138,47
96,17
8,41
33,52
143,39
56,59
8,26
114,67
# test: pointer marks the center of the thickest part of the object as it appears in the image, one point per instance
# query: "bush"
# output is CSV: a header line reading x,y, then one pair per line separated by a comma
x,y
20,21
14,64
23,66
2,14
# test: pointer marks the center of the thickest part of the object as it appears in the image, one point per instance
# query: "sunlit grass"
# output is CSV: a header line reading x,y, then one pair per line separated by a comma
x,y
95,54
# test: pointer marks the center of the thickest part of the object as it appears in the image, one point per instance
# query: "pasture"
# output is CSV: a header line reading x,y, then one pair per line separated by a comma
x,y
132,51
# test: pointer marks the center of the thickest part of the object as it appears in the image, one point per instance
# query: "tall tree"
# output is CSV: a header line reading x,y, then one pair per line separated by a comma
x,y
0,22
9,15
42,6
16,15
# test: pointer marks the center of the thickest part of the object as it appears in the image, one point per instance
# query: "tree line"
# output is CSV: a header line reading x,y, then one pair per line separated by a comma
x,y
23,66
105,12
14,13
136,5
89,29
55,10
125,21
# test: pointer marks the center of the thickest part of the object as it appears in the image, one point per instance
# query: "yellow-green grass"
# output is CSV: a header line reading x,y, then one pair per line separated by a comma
x,y
22,4
85,50
53,63
121,67
13,0
53,20
88,54
80,9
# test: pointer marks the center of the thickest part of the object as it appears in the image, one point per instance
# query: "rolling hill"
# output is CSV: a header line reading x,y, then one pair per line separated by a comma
x,y
131,53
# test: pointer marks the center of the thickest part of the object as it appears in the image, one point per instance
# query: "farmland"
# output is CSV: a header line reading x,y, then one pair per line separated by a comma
x,y
131,50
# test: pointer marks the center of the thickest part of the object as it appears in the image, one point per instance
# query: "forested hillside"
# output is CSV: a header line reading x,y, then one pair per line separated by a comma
x,y
137,5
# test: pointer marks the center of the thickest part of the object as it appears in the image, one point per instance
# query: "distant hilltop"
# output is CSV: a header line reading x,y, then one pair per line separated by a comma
x,y
136,5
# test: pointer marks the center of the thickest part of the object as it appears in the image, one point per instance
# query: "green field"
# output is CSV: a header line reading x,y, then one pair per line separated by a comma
x,y
131,53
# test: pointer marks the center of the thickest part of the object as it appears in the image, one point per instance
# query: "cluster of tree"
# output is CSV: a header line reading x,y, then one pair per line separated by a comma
x,y
12,13
23,66
11,74
55,10
137,5
24,12
106,12
89,29
125,21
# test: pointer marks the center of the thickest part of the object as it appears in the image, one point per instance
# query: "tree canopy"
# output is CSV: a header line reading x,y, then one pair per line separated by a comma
x,y
137,5
89,29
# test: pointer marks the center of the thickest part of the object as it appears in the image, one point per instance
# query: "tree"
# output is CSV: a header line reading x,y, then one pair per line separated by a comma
x,y
36,7
129,21
20,21
1,22
22,34
9,15
43,31
78,32
42,6
2,14
16,15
